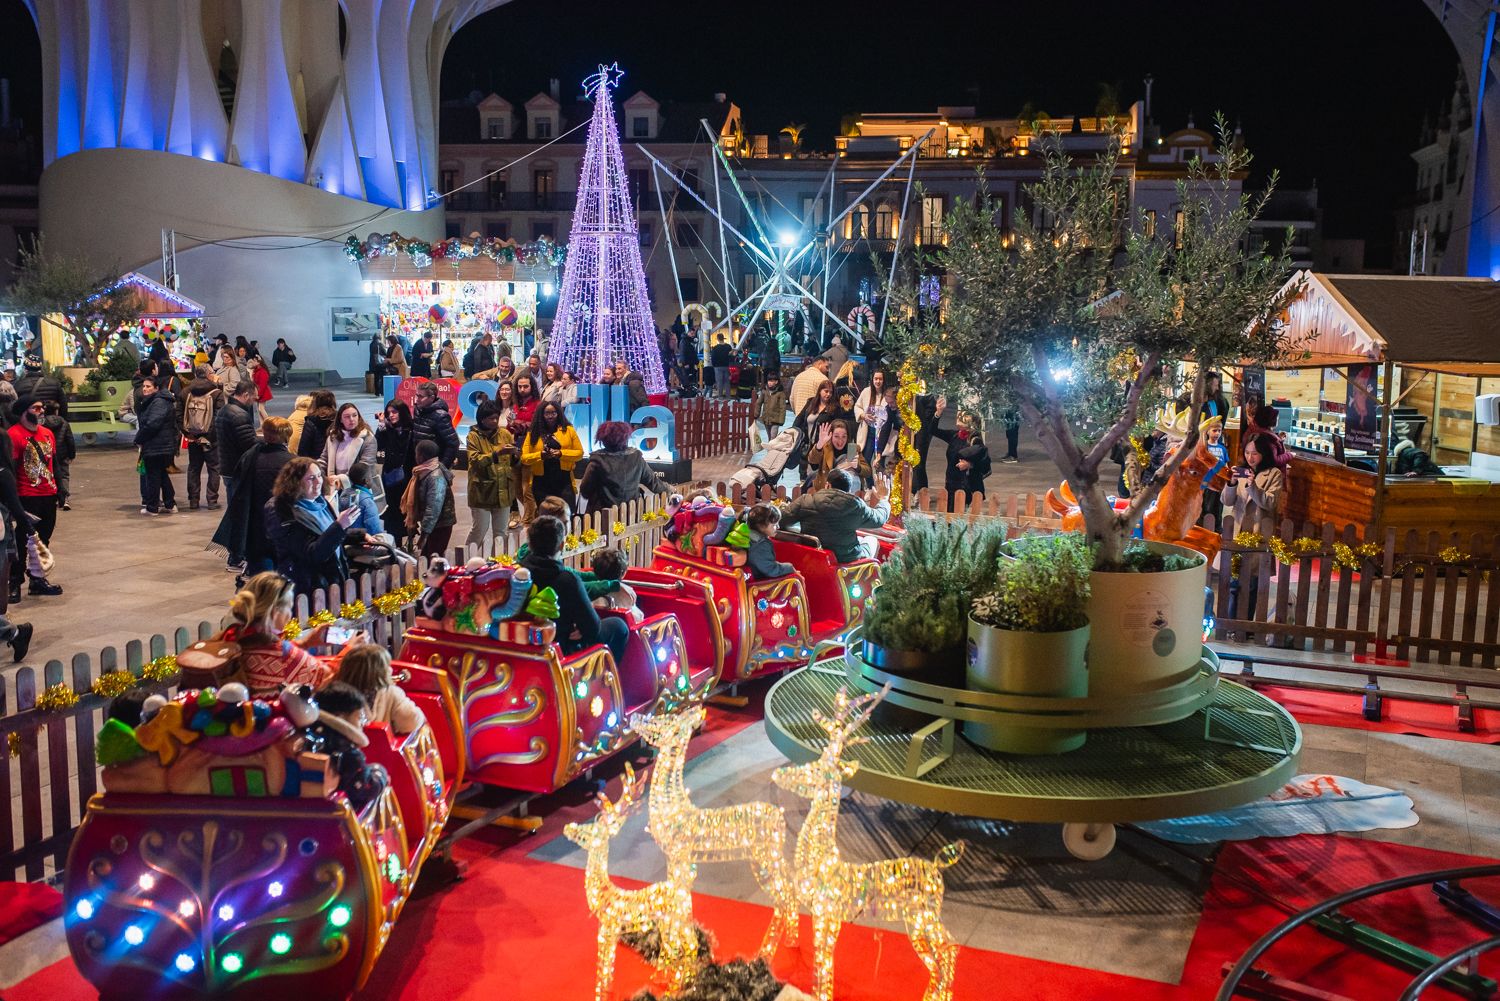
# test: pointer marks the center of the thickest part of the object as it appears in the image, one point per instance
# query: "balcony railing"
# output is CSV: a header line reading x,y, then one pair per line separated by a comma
x,y
512,201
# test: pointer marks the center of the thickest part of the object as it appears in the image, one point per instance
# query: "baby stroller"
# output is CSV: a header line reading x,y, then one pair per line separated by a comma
x,y
781,451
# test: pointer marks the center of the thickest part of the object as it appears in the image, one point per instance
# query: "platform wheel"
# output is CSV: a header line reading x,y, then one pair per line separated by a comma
x,y
89,437
1089,842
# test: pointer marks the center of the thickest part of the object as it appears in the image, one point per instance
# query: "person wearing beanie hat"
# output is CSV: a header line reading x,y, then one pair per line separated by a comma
x,y
33,449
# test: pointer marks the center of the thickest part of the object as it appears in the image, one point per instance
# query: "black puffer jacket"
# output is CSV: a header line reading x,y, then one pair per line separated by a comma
x,y
635,387
156,425
36,386
435,423
314,435
234,432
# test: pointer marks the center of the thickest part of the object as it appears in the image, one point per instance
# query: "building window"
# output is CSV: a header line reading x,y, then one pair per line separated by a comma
x,y
645,234
640,127
885,222
495,185
495,128
932,219
812,211
687,235
447,179
1148,224
543,185
639,179
497,230
1179,227
857,223
541,228
689,285
542,129
453,228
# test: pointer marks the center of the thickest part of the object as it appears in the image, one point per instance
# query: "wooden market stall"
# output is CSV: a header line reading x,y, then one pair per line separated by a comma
x,y
1420,351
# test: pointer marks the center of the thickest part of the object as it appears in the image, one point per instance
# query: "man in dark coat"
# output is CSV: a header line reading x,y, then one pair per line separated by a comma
x,y
35,385
433,422
234,431
421,356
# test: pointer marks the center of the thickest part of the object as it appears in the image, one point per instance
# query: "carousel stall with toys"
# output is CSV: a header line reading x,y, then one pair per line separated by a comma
x,y
165,315
457,288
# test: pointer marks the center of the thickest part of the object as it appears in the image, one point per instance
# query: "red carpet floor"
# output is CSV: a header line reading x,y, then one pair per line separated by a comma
x,y
1420,718
519,928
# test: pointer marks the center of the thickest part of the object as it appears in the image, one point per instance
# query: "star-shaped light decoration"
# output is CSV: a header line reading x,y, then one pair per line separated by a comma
x,y
607,76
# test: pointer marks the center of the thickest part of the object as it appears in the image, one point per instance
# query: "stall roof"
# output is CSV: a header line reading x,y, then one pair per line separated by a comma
x,y
1441,324
157,301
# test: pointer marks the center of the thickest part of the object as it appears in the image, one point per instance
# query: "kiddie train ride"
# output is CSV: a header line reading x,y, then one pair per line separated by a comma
x,y
223,858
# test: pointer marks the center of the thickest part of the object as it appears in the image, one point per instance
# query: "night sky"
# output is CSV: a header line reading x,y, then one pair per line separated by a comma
x,y
1326,90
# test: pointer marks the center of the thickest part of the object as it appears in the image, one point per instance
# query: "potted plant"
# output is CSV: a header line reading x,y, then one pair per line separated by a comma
x,y
1030,636
1080,317
918,623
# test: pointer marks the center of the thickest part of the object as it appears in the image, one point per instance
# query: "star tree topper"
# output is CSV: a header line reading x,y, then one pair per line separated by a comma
x,y
607,77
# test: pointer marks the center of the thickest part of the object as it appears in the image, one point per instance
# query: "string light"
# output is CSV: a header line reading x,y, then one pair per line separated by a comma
x,y
749,831
908,889
666,906
603,314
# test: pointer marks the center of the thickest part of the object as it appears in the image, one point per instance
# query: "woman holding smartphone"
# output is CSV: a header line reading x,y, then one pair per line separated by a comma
x,y
1254,496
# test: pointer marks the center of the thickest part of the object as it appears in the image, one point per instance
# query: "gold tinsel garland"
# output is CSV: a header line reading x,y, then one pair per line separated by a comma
x,y
618,528
160,669
114,683
353,610
13,742
1287,553
57,698
906,452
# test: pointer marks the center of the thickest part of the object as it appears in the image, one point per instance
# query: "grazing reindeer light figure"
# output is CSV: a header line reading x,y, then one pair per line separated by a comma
x,y
754,831
906,889
666,906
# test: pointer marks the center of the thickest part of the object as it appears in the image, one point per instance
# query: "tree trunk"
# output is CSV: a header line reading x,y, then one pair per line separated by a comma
x,y
1103,525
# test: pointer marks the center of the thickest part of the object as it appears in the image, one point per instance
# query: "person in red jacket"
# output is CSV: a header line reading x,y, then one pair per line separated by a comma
x,y
32,449
262,378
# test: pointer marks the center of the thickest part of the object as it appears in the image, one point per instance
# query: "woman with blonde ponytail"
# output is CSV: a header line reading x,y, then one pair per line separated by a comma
x,y
265,662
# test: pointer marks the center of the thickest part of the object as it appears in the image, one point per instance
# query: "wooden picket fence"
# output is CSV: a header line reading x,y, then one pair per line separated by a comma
x,y
51,772
708,428
1423,597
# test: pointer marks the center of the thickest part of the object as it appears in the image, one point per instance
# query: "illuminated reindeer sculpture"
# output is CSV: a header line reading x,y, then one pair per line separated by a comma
x,y
755,831
666,906
905,889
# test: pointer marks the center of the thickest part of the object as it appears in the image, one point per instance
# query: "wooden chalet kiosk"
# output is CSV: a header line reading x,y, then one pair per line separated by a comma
x,y
1422,352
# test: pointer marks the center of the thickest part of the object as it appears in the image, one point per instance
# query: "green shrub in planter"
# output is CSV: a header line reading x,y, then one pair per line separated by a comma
x,y
1044,589
929,583
1029,636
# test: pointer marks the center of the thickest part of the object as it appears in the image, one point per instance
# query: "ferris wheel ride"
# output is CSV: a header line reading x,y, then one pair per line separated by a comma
x,y
794,266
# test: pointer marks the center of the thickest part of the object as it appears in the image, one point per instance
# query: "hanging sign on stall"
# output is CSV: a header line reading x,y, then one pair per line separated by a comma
x,y
1361,412
1252,392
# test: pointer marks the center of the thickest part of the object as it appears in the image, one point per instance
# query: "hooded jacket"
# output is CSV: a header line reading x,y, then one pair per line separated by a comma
x,y
616,477
434,423
198,388
836,517
156,425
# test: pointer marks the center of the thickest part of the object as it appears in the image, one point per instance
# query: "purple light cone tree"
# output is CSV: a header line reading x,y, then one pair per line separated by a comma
x,y
603,315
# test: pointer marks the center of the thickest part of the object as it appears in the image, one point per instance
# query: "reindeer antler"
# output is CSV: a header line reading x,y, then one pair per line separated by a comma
x,y
848,716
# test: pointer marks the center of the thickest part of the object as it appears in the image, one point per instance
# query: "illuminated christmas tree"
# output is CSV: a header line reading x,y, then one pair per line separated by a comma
x,y
603,315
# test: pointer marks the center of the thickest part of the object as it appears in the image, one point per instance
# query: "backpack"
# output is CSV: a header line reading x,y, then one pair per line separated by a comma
x,y
198,418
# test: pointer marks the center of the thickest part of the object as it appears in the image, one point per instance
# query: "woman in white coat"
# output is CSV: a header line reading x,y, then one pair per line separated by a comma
x,y
351,443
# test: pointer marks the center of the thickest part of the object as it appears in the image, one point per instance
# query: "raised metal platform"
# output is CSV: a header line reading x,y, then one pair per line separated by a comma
x,y
1238,747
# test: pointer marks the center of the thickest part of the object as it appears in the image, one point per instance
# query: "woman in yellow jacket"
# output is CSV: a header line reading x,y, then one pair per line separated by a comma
x,y
550,451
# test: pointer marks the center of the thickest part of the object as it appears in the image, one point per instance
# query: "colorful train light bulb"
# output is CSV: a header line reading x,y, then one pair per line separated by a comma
x,y
226,913
612,719
276,889
187,908
281,943
777,620
682,681
84,909
134,935
339,916
596,706
856,592
184,963
147,882
662,654
581,689
232,962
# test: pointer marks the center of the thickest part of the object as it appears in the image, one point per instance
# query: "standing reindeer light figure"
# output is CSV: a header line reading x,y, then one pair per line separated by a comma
x,y
666,906
906,889
686,834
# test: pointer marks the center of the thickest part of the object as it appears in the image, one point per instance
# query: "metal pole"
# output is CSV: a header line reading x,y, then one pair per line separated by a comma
x,y
736,183
723,244
885,306
749,243
911,152
671,254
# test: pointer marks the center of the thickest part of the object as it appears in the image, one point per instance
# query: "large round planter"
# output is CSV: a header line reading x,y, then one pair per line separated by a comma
x,y
1015,662
937,667
1147,628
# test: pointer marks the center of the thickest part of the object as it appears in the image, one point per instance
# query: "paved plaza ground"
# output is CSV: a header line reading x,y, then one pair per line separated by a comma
x,y
126,576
